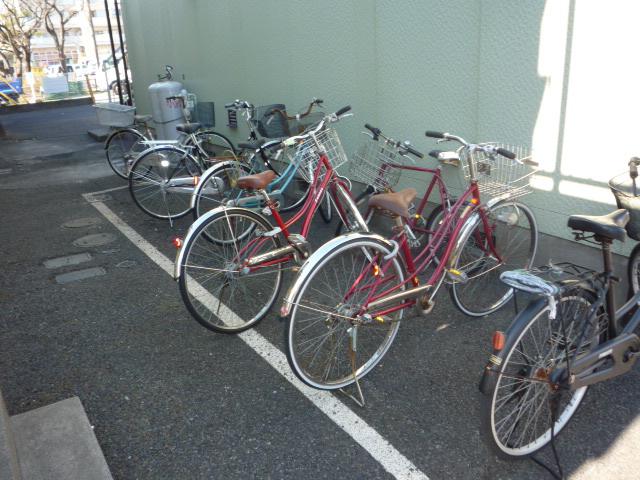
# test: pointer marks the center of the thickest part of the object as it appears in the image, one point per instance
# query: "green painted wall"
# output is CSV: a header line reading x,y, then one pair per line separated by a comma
x,y
557,75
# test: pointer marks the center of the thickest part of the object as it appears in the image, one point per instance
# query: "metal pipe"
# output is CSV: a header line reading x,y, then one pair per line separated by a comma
x,y
124,57
113,51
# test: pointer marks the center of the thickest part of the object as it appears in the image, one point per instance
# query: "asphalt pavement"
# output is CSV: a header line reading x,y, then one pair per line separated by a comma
x,y
169,399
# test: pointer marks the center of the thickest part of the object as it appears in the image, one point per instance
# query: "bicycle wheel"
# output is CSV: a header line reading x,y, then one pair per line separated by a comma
x,y
326,209
514,235
123,147
323,325
218,289
214,144
633,270
517,414
433,224
162,181
217,186
296,194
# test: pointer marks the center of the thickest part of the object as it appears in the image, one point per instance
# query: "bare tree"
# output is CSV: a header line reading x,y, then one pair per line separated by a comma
x,y
55,27
20,20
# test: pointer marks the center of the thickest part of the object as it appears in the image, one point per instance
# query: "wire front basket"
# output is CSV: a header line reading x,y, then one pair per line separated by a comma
x,y
627,194
306,154
499,176
377,163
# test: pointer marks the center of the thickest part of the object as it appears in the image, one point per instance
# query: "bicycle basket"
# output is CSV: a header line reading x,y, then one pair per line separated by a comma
x,y
501,176
306,155
377,163
628,197
272,126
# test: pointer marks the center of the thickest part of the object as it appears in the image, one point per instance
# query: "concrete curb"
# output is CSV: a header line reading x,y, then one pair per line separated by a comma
x,y
31,107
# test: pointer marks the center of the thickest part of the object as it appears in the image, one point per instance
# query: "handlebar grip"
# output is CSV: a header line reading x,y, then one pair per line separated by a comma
x,y
343,110
319,101
432,134
414,152
229,105
506,153
633,167
376,131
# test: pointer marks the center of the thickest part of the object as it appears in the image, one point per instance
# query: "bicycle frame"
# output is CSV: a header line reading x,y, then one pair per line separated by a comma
x,y
297,247
276,188
458,219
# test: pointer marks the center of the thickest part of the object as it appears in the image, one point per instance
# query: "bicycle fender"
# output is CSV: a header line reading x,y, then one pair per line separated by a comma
x,y
469,224
191,232
494,363
205,177
311,262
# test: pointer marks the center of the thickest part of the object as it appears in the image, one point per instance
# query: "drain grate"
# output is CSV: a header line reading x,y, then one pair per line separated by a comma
x,y
95,240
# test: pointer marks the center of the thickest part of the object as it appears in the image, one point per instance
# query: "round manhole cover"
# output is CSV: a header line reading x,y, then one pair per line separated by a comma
x,y
81,222
95,240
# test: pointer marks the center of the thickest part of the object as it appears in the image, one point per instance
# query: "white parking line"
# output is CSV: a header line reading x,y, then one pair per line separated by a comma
x,y
379,448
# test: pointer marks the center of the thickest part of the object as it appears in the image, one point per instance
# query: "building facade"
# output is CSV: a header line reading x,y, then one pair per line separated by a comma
x,y
554,75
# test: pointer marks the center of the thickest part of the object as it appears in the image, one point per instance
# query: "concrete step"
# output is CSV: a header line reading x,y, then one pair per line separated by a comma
x,y
50,443
9,465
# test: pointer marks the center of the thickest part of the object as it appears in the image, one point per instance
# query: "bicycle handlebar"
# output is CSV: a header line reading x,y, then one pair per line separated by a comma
x,y
238,105
489,149
273,111
406,146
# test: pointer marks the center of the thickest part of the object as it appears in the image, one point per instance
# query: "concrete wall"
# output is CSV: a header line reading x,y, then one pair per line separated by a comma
x,y
557,75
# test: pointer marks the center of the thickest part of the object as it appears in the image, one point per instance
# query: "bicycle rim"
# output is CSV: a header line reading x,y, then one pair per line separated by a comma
x,y
217,287
514,235
162,182
122,149
217,186
321,329
517,416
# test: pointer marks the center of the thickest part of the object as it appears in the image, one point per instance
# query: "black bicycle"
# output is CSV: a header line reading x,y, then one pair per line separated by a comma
x,y
569,337
627,195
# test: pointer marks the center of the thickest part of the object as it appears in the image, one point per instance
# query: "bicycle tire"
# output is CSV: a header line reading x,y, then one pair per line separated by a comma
x,y
633,270
296,194
217,186
516,414
514,234
326,213
162,181
214,287
317,342
122,148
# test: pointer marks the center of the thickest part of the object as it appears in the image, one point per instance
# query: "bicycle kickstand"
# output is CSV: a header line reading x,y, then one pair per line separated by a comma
x,y
352,348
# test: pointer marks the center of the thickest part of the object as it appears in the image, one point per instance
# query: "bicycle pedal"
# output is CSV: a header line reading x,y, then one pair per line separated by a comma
x,y
457,276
